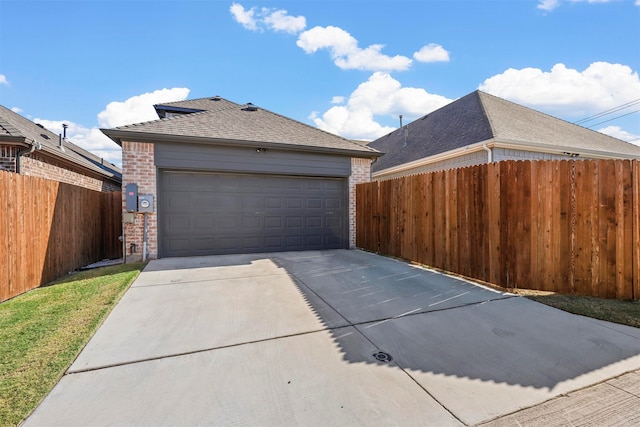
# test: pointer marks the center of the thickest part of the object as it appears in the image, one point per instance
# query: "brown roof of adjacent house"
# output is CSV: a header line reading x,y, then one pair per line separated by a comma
x,y
479,117
16,129
219,121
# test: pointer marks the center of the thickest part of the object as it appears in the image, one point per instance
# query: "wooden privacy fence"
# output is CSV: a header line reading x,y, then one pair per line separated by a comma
x,y
49,228
560,226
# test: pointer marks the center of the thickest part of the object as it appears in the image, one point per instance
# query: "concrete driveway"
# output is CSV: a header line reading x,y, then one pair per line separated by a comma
x,y
336,338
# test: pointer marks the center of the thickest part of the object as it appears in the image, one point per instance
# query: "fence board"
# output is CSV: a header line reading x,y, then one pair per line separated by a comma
x,y
494,222
563,226
635,245
428,224
625,241
48,229
583,275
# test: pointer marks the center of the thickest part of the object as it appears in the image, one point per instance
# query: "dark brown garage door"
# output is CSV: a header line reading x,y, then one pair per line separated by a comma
x,y
220,213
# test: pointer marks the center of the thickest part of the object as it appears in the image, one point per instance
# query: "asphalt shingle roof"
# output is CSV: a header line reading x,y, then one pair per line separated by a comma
x,y
479,117
225,121
17,129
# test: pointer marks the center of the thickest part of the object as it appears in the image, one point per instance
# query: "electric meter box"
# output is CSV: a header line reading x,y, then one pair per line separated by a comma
x,y
131,197
145,203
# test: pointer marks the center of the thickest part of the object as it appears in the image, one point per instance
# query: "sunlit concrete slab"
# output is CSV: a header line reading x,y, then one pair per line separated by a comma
x,y
365,287
186,270
207,312
495,358
290,338
302,380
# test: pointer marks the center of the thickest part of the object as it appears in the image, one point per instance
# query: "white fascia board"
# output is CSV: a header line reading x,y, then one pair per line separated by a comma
x,y
505,144
478,146
559,149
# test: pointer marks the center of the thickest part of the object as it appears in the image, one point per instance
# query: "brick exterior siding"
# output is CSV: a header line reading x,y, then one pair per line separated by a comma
x,y
39,167
360,173
138,167
44,167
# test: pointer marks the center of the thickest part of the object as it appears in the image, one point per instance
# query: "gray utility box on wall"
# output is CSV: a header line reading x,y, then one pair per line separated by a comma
x,y
132,197
145,203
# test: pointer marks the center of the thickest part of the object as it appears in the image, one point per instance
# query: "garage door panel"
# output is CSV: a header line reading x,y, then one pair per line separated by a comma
x,y
314,222
273,242
203,222
252,243
294,203
252,223
294,222
210,213
273,202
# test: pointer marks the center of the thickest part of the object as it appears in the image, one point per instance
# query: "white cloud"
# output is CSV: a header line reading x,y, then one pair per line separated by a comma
x,y
637,3
549,5
380,95
16,110
139,108
280,21
3,80
566,92
618,132
133,110
431,53
346,54
255,19
337,100
244,17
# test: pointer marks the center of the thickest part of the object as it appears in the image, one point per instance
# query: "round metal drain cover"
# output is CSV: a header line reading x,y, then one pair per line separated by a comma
x,y
381,356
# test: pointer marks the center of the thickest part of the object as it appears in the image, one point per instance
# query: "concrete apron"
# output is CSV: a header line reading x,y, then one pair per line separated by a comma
x,y
326,338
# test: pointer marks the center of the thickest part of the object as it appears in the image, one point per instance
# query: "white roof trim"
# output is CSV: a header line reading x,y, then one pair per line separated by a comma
x,y
502,143
478,146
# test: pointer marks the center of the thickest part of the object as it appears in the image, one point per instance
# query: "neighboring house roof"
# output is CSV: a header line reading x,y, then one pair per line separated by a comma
x,y
219,121
18,130
479,118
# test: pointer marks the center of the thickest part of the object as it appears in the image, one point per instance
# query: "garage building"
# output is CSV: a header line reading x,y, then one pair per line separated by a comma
x,y
227,178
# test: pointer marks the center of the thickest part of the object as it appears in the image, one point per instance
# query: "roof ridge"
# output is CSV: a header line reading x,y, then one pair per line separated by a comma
x,y
492,126
557,119
208,98
318,129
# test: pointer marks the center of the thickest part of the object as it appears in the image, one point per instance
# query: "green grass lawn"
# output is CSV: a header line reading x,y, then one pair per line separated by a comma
x,y
42,331
617,311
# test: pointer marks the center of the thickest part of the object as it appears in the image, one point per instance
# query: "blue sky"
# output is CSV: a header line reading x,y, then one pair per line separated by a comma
x,y
349,67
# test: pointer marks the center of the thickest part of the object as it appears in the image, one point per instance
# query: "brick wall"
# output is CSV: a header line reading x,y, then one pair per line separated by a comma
x,y
360,172
138,167
34,165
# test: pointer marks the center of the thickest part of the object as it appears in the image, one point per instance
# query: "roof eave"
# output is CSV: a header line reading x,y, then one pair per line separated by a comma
x,y
478,146
119,135
561,150
503,143
7,139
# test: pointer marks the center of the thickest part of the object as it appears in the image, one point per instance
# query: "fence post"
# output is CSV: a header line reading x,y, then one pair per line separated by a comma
x,y
493,222
635,208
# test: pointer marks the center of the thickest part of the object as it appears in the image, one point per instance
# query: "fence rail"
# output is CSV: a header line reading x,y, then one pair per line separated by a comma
x,y
49,228
560,226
